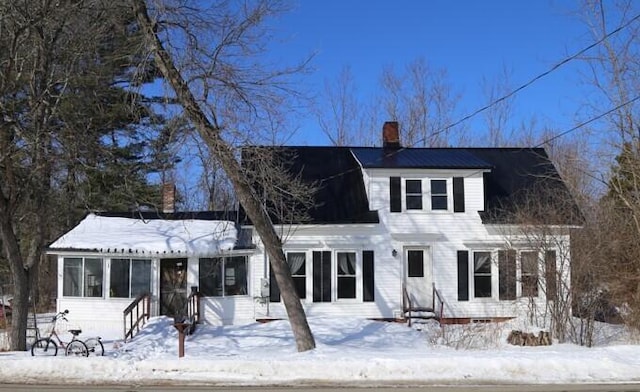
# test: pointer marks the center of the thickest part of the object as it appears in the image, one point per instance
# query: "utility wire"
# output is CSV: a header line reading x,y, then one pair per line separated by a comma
x,y
589,121
524,86
535,79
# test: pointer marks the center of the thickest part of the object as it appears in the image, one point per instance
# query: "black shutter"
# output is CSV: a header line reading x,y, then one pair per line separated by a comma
x,y
507,274
550,268
458,194
274,290
322,276
463,275
367,276
394,194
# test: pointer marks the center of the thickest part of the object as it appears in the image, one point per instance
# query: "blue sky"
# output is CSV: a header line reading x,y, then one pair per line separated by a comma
x,y
472,40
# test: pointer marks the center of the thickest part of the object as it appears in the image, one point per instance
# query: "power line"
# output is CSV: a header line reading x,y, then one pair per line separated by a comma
x,y
535,79
582,124
524,86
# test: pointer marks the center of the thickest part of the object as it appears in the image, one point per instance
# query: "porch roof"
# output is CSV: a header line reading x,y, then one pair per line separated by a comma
x,y
106,234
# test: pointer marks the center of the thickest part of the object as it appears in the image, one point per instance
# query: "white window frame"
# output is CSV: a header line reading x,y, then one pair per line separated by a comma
x,y
131,261
449,194
358,275
472,275
308,273
82,277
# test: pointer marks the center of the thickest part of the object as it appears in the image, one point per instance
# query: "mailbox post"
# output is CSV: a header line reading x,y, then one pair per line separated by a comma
x,y
182,327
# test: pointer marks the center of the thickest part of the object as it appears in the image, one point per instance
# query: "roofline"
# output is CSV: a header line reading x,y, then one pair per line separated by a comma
x,y
143,255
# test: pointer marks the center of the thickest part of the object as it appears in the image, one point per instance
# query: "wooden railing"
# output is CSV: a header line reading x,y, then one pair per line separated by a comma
x,y
406,304
193,310
437,305
439,310
136,315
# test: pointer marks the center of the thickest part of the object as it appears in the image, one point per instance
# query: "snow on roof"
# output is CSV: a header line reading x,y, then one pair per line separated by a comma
x,y
151,236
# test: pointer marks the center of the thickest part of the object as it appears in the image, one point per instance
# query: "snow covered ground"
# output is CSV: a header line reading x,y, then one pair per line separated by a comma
x,y
349,352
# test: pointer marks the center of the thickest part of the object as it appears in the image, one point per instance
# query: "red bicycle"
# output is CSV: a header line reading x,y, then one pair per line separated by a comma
x,y
48,347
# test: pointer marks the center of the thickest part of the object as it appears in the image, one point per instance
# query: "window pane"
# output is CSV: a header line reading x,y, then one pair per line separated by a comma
x,y
119,286
415,264
296,263
414,186
438,187
72,277
235,275
140,277
346,287
414,202
438,202
482,262
210,279
93,277
482,287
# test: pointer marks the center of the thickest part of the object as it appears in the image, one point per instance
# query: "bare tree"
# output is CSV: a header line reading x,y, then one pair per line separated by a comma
x,y
341,120
543,221
614,226
207,57
422,100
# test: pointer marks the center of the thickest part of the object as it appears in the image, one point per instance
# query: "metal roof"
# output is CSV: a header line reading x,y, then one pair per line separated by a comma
x,y
419,158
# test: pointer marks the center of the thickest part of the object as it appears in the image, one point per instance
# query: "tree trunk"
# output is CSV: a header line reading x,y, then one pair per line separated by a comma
x,y
20,276
210,133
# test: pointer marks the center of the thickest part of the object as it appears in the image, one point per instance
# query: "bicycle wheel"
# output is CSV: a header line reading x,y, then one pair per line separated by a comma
x,y
95,347
44,347
77,348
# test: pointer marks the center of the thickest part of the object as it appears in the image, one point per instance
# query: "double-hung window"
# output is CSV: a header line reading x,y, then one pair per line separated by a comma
x,y
413,191
129,277
82,277
346,274
529,262
223,276
439,199
297,262
482,274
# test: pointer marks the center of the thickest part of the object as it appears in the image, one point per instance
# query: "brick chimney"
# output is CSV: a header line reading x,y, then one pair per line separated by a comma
x,y
168,197
390,135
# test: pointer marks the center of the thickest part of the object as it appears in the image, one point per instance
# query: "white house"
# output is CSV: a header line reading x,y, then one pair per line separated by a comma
x,y
395,232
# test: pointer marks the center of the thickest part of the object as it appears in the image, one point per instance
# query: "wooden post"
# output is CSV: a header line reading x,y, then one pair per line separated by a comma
x,y
181,327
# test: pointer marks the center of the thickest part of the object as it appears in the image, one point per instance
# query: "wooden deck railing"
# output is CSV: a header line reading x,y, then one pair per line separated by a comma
x,y
136,315
193,310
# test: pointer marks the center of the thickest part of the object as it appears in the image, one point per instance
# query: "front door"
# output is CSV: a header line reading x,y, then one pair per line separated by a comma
x,y
418,278
173,287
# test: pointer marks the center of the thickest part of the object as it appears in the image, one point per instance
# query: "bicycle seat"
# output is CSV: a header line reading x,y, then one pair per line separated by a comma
x,y
75,332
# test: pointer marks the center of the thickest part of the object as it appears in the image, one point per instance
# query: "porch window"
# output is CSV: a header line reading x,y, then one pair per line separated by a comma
x,y
223,276
82,277
439,195
529,262
413,194
297,266
346,274
482,274
129,277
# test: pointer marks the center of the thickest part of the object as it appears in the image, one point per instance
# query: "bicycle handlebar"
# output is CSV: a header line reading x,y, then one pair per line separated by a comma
x,y
61,315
